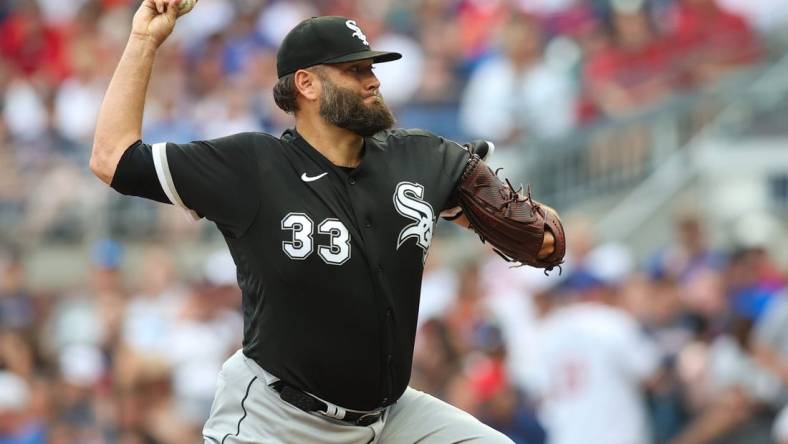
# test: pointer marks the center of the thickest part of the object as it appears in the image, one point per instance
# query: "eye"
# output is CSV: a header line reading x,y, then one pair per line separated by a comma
x,y
361,69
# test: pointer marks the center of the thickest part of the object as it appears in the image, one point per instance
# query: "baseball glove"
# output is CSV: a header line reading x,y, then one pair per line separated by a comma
x,y
512,223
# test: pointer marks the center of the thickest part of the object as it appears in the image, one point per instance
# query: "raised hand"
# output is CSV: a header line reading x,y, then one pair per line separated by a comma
x,y
155,19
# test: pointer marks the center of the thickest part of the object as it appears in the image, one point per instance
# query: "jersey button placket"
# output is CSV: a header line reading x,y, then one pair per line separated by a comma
x,y
352,180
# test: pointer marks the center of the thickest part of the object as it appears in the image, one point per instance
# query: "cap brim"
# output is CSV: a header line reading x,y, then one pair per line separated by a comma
x,y
376,56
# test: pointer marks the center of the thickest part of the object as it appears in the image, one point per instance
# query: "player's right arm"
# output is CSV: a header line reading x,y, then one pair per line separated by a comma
x,y
209,178
119,122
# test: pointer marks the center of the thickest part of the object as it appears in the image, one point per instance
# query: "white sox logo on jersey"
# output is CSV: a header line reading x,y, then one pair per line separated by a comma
x,y
409,202
360,35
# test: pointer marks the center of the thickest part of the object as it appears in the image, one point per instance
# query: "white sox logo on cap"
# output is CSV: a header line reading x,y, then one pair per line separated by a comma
x,y
360,35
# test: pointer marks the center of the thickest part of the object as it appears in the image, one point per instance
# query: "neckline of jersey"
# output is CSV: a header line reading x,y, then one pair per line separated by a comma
x,y
347,170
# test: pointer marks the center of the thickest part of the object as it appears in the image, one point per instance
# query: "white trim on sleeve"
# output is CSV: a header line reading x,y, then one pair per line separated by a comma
x,y
165,178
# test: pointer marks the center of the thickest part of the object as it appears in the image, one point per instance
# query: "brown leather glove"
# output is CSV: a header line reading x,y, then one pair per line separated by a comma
x,y
512,223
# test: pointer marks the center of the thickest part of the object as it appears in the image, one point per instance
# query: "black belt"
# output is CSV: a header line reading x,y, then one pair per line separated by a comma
x,y
309,403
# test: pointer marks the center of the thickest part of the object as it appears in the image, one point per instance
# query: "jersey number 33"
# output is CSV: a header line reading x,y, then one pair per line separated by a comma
x,y
337,252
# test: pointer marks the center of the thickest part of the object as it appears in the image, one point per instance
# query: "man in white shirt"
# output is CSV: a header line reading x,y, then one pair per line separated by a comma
x,y
592,361
518,92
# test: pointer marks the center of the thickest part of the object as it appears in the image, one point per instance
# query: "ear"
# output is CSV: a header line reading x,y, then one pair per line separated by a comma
x,y
308,84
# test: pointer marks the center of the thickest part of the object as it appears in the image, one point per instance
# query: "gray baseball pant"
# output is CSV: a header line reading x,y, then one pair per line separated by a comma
x,y
246,410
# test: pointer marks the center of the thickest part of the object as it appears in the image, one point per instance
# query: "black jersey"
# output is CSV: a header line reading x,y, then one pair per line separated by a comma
x,y
329,260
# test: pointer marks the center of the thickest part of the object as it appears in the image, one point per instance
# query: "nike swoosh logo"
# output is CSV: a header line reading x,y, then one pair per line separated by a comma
x,y
306,178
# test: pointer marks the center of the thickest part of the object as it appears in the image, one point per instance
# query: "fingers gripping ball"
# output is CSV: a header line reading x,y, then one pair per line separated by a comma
x,y
185,6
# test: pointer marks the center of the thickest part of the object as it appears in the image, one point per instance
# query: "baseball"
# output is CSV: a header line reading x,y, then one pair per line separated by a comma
x,y
185,6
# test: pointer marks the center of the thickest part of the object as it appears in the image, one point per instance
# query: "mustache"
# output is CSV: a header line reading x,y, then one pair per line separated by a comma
x,y
376,93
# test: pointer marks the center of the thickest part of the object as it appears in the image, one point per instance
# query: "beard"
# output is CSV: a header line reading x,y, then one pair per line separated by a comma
x,y
346,109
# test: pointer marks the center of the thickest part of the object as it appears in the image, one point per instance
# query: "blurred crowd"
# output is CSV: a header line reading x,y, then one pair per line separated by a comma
x,y
503,70
109,362
686,347
689,346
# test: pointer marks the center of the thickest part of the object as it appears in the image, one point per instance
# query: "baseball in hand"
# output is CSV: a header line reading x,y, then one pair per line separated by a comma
x,y
185,6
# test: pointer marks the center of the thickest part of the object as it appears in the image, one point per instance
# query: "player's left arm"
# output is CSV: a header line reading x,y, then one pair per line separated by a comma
x,y
548,243
484,150
519,228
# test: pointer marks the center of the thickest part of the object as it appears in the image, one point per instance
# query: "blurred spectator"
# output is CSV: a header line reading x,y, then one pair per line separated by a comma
x,y
57,12
689,252
673,329
770,340
78,99
242,41
17,425
635,69
210,18
28,118
168,110
438,285
512,300
478,20
281,16
434,107
12,192
468,313
752,281
400,81
90,316
713,41
149,317
203,336
507,94
740,391
231,111
79,393
436,359
501,404
591,364
16,305
766,15
35,48
780,430
17,354
547,7
166,121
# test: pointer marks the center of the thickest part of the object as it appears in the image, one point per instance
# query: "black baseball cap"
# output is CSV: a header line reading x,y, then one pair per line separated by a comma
x,y
325,40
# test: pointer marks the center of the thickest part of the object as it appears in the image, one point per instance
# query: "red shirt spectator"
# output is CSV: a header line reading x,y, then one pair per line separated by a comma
x,y
479,21
634,69
712,40
32,46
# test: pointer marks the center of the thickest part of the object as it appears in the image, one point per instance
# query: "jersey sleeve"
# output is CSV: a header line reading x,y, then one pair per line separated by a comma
x,y
448,158
214,179
452,159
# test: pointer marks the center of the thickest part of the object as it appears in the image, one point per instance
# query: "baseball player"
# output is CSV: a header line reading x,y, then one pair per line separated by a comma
x,y
329,226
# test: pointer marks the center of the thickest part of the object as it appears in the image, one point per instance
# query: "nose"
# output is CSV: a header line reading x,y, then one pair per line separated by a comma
x,y
373,83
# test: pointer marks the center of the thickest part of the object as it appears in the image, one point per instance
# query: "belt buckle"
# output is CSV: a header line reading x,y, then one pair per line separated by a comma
x,y
368,418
